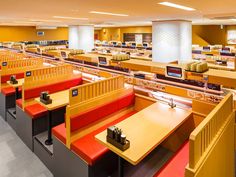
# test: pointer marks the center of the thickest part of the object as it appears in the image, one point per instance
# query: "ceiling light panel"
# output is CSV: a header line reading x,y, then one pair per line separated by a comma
x,y
108,13
71,18
169,4
41,20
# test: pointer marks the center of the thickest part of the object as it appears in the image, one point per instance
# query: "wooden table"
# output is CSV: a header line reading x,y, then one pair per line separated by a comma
x,y
16,86
20,82
59,100
146,130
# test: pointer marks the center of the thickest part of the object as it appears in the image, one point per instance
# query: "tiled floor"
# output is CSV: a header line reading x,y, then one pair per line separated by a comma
x,y
16,160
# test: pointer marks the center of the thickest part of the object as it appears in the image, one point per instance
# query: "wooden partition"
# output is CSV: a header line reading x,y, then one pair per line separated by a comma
x,y
18,66
8,55
212,143
83,97
42,76
95,89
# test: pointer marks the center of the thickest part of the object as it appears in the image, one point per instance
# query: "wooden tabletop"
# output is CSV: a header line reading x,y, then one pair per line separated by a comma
x,y
146,130
59,99
222,67
20,82
221,73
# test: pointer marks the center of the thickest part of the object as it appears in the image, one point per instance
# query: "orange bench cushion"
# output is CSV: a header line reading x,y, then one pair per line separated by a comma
x,y
84,119
35,110
176,166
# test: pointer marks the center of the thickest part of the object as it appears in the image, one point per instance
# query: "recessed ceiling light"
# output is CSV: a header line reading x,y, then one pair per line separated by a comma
x,y
40,20
25,22
108,13
72,18
169,4
104,25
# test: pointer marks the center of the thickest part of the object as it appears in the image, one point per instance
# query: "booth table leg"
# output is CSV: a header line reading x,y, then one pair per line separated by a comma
x,y
49,140
120,167
17,93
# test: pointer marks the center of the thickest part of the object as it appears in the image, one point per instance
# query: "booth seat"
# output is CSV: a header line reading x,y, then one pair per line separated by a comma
x,y
6,78
52,88
86,118
36,110
176,165
8,91
87,147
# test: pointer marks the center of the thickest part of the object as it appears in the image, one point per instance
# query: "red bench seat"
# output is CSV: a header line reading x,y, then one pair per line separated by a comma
x,y
19,103
6,78
84,119
7,91
36,110
87,147
175,167
52,88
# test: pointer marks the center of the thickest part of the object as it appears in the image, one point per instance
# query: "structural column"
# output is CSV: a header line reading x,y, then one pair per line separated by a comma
x,y
81,37
172,41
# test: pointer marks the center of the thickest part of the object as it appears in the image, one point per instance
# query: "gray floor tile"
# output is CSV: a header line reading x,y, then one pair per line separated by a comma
x,y
16,160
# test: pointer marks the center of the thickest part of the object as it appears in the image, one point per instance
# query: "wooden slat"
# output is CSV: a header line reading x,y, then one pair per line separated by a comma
x,y
204,134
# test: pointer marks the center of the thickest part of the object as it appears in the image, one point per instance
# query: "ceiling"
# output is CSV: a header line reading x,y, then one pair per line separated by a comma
x,y
140,12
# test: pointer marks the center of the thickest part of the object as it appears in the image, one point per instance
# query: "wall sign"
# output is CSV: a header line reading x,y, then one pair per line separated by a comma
x,y
28,73
74,92
40,33
4,63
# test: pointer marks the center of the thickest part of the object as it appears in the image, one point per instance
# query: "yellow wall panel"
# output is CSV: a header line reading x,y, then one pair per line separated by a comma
x,y
29,33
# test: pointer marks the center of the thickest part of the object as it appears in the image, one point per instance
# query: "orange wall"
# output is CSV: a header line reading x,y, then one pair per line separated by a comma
x,y
201,34
14,33
212,34
116,34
